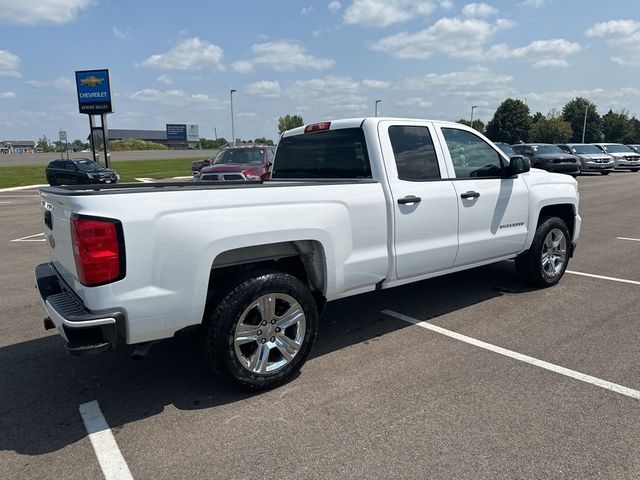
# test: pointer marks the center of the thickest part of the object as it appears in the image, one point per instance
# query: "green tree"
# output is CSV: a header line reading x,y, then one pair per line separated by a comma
x,y
43,143
288,122
617,127
573,112
80,145
550,129
477,124
536,117
510,123
635,131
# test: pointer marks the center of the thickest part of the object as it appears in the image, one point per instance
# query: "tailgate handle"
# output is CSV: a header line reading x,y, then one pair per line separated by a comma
x,y
409,199
470,194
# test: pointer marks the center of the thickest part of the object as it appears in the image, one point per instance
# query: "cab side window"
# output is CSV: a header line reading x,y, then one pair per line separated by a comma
x,y
471,156
414,153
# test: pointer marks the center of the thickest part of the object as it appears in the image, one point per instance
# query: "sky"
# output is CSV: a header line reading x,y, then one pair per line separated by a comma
x,y
176,62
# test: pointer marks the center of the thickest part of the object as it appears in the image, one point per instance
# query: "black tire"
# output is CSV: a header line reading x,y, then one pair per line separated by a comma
x,y
605,173
634,170
52,180
529,264
221,320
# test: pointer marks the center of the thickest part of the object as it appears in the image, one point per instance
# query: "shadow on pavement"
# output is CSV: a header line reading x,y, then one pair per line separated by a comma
x,y
41,386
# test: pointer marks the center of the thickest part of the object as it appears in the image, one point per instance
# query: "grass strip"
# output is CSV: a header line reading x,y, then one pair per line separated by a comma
x,y
15,176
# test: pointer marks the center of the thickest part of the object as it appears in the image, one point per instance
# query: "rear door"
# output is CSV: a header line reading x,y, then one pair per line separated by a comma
x,y
425,206
493,210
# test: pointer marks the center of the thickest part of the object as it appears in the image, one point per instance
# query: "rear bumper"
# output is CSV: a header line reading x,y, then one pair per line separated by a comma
x,y
85,331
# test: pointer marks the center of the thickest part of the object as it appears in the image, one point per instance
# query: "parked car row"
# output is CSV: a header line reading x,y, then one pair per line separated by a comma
x,y
574,158
236,164
79,171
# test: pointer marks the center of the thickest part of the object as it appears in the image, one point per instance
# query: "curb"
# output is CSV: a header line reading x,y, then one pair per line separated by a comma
x,y
23,187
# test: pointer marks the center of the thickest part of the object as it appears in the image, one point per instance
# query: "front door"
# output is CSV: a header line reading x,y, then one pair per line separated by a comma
x,y
493,210
425,207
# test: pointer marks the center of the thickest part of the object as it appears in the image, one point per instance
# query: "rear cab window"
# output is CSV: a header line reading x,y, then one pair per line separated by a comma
x,y
325,154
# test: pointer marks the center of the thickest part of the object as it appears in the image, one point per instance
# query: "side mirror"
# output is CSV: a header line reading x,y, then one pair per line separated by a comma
x,y
517,165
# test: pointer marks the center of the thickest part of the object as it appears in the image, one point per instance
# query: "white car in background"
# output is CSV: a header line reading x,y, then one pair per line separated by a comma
x,y
625,157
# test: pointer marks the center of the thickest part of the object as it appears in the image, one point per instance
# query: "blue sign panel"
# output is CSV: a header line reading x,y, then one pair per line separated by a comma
x,y
94,91
177,132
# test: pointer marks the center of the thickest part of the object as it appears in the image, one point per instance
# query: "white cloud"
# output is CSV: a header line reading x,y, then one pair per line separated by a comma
x,y
122,34
446,4
541,53
334,6
9,64
382,13
242,66
7,95
615,99
175,98
264,89
306,10
327,98
624,35
457,38
282,56
478,10
189,54
380,84
32,12
60,83
415,102
534,3
165,79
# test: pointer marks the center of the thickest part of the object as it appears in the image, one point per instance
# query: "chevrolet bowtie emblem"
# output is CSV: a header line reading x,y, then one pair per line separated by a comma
x,y
91,81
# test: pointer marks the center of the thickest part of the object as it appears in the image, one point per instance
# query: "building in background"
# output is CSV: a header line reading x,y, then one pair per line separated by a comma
x,y
17,146
156,136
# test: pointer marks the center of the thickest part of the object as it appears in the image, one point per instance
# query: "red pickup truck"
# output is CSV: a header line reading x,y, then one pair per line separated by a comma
x,y
239,163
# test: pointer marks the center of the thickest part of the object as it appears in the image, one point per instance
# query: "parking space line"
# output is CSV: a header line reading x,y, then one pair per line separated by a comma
x,y
602,277
112,463
30,238
629,239
614,387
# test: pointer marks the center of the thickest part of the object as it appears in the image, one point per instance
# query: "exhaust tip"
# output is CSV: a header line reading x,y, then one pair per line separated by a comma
x,y
141,350
48,323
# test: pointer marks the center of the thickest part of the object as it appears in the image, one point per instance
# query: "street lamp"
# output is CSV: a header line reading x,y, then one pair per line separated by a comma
x,y
471,123
584,124
376,107
233,132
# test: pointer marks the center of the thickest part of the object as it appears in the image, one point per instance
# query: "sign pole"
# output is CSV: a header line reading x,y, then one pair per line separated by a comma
x,y
105,140
92,128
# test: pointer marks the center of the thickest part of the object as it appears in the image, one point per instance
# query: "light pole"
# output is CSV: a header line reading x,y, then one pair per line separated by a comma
x,y
376,107
472,107
584,124
233,132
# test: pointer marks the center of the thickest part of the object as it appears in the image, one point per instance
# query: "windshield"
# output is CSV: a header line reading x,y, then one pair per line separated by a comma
x,y
241,156
543,149
586,149
618,149
87,165
507,149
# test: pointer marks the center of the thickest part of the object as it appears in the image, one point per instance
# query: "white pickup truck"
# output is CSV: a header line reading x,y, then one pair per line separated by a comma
x,y
353,206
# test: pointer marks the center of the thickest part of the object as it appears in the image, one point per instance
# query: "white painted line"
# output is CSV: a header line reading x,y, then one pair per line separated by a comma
x,y
31,238
112,463
602,277
144,180
614,387
5,203
629,239
24,187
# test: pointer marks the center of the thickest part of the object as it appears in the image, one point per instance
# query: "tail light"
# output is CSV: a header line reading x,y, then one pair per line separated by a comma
x,y
98,249
316,127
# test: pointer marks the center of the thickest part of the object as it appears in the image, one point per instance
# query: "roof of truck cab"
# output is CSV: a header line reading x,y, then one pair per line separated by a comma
x,y
357,122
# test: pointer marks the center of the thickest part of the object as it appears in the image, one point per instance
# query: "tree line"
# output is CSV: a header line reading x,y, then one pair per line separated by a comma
x,y
513,123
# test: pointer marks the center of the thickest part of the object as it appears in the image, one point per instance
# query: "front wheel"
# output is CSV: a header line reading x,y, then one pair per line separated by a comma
x,y
544,264
262,331
605,173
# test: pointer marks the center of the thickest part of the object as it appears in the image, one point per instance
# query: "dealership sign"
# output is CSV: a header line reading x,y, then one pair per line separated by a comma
x,y
177,132
193,133
94,91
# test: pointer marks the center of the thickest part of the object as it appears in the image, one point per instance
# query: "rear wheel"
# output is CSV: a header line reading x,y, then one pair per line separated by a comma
x,y
544,264
52,180
262,331
605,173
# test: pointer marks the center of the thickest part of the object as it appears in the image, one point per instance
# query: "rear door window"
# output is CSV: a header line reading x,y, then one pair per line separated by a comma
x,y
414,153
340,153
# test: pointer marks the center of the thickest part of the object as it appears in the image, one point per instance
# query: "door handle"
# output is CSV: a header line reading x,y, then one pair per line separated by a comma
x,y
409,199
470,194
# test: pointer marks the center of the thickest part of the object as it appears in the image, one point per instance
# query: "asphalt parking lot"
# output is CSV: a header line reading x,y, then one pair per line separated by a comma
x,y
379,398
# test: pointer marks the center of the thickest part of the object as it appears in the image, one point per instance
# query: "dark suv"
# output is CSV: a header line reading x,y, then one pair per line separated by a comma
x,y
79,171
549,157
